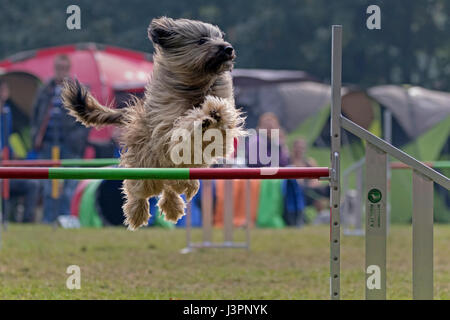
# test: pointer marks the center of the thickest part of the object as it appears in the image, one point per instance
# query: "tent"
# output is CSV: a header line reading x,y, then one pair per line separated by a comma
x,y
420,126
111,73
252,77
416,109
257,91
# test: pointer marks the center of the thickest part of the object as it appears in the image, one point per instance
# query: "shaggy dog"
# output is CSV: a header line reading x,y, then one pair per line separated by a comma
x,y
191,89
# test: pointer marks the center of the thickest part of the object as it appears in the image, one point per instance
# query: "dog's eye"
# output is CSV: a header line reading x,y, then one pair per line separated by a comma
x,y
201,41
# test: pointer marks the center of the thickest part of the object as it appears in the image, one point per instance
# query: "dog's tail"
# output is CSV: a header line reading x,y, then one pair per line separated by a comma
x,y
86,109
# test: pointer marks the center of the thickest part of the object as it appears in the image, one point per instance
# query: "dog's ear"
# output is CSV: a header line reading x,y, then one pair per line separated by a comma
x,y
160,30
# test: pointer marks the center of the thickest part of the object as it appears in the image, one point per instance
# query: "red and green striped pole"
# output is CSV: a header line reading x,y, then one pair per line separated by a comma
x,y
164,173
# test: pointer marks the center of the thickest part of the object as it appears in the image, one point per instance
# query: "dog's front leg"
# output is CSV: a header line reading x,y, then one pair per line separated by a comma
x,y
215,113
225,118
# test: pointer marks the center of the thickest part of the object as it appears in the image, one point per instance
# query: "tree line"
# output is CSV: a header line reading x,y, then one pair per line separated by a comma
x,y
412,46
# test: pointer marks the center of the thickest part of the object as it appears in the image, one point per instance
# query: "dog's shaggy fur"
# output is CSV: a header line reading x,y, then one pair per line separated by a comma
x,y
191,85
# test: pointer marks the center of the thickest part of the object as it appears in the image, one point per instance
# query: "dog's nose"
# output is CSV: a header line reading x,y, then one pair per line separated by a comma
x,y
228,50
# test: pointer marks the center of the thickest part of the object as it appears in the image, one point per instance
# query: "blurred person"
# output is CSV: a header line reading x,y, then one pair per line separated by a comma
x,y
53,126
316,193
259,146
28,189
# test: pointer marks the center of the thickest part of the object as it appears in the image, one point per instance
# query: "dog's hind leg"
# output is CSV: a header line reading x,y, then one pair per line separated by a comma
x,y
136,206
136,212
191,190
171,204
188,187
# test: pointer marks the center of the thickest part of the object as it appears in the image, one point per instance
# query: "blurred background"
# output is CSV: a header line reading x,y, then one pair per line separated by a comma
x,y
396,84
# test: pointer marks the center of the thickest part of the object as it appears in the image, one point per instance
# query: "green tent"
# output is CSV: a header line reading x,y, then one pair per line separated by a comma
x,y
423,132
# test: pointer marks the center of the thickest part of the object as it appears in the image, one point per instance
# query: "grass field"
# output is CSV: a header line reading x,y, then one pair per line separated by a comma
x,y
118,264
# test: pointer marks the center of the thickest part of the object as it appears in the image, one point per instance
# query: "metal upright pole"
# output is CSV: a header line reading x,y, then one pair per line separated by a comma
x,y
422,220
189,244
335,243
387,135
376,187
207,211
248,204
188,229
228,212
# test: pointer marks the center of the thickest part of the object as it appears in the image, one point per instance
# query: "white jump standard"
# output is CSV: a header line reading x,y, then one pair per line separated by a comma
x,y
376,200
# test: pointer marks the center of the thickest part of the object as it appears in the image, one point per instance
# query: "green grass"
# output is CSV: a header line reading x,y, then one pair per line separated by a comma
x,y
119,264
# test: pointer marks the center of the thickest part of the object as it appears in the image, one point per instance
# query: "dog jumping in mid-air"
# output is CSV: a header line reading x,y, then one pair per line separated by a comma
x,y
190,89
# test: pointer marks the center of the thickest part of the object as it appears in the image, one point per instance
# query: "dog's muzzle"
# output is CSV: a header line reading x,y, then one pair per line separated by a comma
x,y
225,54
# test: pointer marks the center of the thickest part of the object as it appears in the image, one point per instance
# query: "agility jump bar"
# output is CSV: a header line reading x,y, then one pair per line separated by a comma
x,y
103,162
165,173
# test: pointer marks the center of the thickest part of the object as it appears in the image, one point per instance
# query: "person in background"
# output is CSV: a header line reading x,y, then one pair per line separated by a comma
x,y
53,126
262,140
316,193
29,189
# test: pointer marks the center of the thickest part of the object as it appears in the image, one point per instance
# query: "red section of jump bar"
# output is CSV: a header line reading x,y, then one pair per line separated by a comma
x,y
24,173
259,173
30,163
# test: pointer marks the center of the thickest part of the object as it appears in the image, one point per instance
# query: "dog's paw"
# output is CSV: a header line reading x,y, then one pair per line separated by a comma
x,y
206,123
215,115
215,109
212,119
136,213
191,189
171,205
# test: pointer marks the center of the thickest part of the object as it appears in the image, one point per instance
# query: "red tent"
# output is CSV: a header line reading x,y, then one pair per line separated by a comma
x,y
108,71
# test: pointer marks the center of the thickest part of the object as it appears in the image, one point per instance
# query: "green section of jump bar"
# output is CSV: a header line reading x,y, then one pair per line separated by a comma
x,y
89,162
118,173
